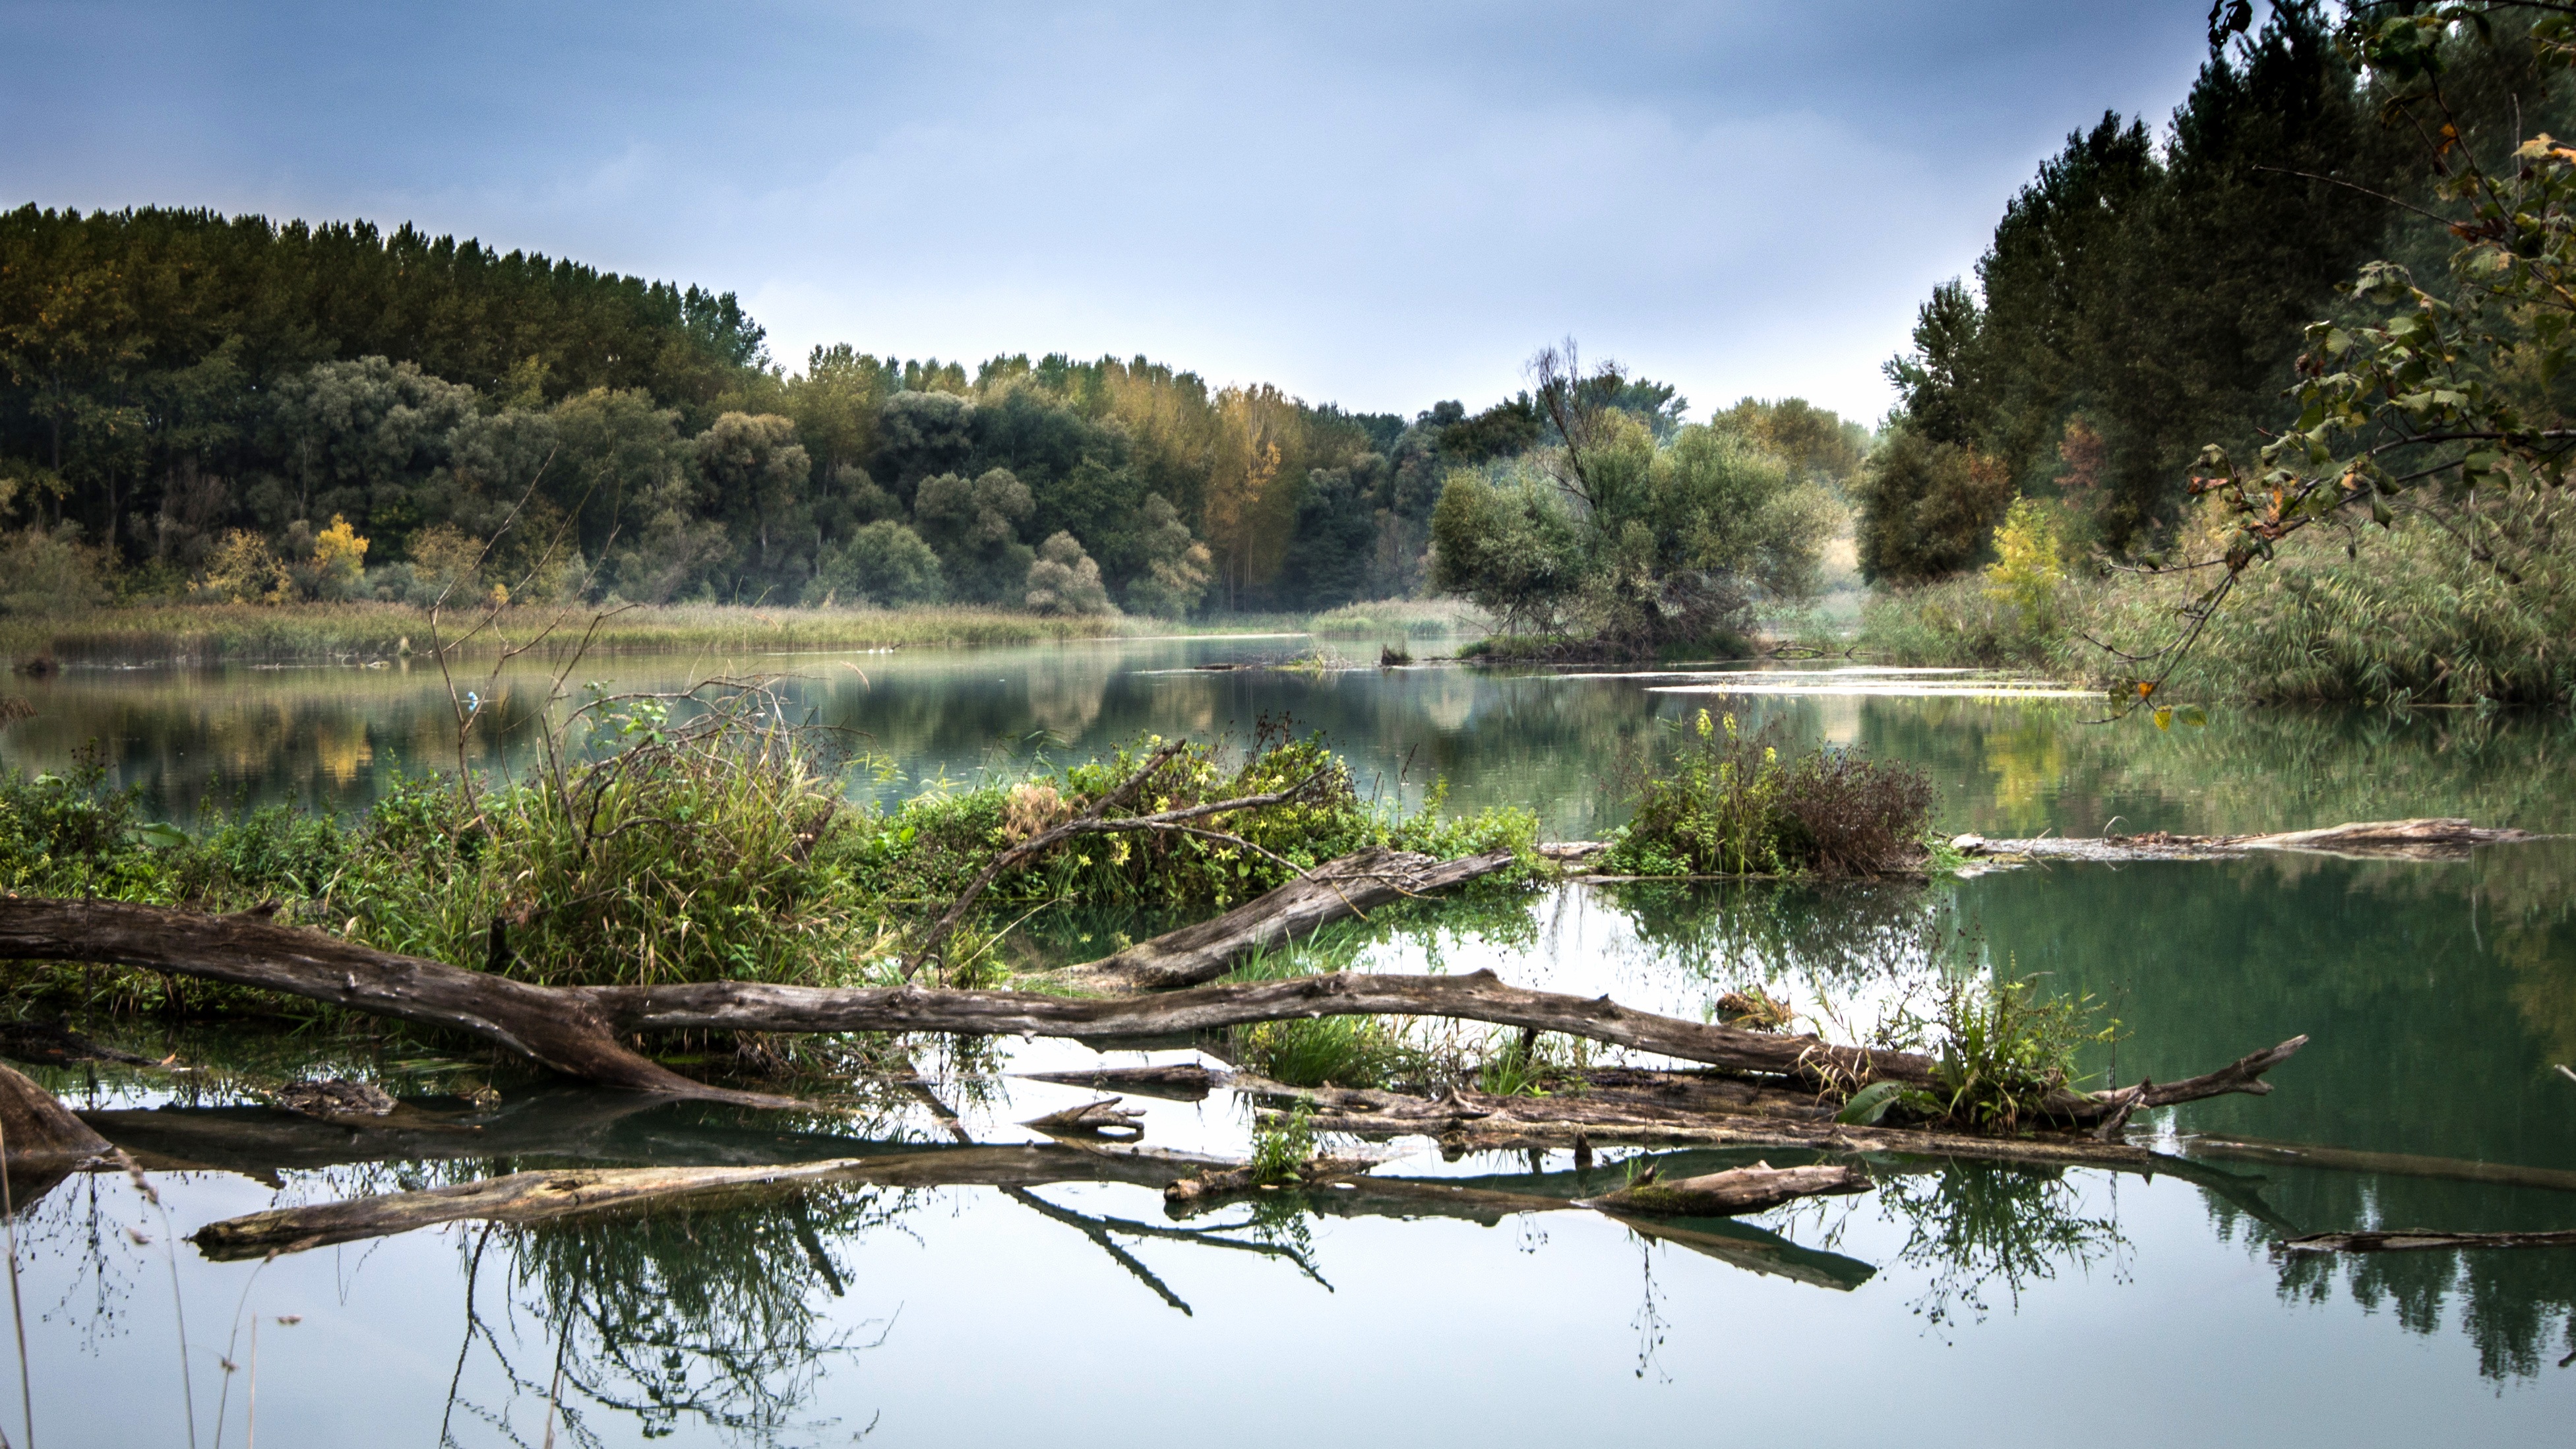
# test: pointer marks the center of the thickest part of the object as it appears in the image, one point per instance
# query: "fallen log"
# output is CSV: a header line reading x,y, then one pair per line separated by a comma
x,y
531,1197
2423,1238
1725,1194
2390,1164
1104,1118
1334,891
1178,1082
556,1027
580,1031
2426,839
39,1131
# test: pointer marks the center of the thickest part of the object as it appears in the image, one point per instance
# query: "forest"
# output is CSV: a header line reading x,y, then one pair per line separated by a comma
x,y
2338,258
229,408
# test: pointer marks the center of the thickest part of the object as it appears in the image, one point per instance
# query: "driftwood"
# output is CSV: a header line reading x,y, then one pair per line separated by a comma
x,y
581,1031
528,1197
1235,1179
2420,1238
39,1131
2389,1164
1334,891
2430,839
1725,1194
578,1030
1178,1082
1104,1118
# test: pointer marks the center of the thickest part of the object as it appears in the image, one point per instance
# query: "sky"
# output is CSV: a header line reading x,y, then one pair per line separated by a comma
x,y
1377,205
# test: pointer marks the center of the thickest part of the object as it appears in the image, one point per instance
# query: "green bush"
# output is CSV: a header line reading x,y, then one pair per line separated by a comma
x,y
1724,803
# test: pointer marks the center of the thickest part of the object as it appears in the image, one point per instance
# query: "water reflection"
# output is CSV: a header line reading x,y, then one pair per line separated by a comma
x,y
2438,998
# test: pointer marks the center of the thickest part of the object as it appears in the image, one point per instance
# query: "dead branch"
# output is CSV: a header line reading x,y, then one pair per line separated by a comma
x,y
2427,839
2421,1238
1101,1119
1334,891
1725,1194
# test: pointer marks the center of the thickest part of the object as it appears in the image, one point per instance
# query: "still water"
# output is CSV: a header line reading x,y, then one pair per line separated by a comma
x,y
1954,1304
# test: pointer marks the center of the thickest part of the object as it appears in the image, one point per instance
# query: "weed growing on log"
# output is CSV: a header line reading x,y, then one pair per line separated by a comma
x,y
1725,803
2000,1049
1280,1149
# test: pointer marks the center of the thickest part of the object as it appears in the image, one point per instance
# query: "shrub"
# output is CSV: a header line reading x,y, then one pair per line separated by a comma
x,y
882,563
1727,804
50,572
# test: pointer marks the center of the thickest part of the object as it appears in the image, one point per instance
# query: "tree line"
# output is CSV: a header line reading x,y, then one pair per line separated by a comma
x,y
2147,296
237,408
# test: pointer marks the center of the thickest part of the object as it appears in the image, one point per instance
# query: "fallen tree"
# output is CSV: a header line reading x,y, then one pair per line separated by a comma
x,y
2446,838
1332,892
2420,1239
1736,1190
586,1032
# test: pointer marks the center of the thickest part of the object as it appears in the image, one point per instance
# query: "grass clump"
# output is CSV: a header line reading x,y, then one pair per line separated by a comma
x,y
1999,1050
1721,802
1282,1147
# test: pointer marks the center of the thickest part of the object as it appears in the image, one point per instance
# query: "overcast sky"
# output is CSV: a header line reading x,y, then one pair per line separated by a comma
x,y
1380,205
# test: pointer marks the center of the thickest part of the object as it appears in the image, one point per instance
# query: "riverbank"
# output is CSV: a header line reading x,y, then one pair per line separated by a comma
x,y
212,633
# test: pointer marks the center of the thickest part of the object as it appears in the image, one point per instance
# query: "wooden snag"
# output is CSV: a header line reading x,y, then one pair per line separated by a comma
x,y
1738,1190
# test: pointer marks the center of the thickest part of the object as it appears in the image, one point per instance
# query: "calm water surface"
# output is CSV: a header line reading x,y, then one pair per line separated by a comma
x,y
1953,1305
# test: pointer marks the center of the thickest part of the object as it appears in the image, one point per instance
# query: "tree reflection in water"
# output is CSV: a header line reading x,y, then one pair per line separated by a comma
x,y
1975,1227
673,1316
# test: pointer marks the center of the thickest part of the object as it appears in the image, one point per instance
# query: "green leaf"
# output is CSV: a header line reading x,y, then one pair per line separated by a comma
x,y
1870,1103
161,833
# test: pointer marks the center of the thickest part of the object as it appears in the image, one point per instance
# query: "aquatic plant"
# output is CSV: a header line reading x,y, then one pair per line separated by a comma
x,y
1282,1146
1721,802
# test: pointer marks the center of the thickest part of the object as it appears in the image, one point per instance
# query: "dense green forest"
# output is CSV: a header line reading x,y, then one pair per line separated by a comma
x,y
230,408
2146,296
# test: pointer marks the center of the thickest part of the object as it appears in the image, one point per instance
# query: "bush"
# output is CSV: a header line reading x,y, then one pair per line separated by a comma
x,y
1726,804
44,572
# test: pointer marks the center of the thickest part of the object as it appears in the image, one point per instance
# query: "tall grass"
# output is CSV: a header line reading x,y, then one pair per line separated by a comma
x,y
384,631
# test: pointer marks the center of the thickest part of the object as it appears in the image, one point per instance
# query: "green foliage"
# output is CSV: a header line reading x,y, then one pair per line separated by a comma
x,y
1927,505
1720,802
1282,1147
1064,580
2028,569
1635,533
931,846
2001,1048
884,562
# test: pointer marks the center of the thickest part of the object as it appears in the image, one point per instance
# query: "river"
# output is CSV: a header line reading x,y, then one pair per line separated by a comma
x,y
1952,1305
